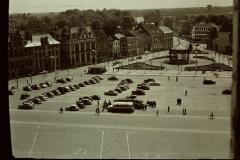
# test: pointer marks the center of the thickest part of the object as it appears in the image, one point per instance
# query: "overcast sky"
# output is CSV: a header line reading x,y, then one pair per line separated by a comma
x,y
36,6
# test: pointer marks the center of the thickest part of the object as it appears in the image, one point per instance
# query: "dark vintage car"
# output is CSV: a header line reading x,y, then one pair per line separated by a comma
x,y
123,87
138,92
72,108
64,89
113,78
129,80
26,106
81,85
56,92
110,93
42,98
227,91
92,81
208,82
76,86
80,104
24,96
11,92
49,94
69,79
149,80
118,90
61,80
43,85
72,88
36,100
86,97
143,87
96,97
35,87
86,101
27,88
49,84
86,83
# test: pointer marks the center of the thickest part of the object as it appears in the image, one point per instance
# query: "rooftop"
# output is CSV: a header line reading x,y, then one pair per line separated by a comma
x,y
36,40
165,29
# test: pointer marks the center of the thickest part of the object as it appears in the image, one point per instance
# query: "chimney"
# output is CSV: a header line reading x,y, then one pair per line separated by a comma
x,y
44,41
156,24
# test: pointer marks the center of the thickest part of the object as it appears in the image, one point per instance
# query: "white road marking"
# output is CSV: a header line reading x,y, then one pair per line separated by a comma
x,y
181,130
130,115
100,156
34,140
129,156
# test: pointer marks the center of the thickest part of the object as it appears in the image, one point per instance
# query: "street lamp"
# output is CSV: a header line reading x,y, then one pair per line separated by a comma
x,y
55,66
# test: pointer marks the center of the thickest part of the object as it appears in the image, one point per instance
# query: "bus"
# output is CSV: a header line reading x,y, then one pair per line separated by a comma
x,y
137,103
121,107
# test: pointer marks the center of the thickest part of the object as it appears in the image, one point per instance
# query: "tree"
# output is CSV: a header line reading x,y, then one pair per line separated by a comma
x,y
200,18
96,25
169,23
127,22
110,26
186,28
213,33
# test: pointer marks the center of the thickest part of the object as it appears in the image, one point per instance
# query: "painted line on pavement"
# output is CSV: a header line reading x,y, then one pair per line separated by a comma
x,y
101,148
129,155
129,115
181,130
34,140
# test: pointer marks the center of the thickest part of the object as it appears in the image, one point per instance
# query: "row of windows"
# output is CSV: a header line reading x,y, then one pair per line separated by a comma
x,y
202,29
46,54
46,47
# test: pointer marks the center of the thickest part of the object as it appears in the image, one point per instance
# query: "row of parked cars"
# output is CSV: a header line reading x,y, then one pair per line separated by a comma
x,y
64,80
123,85
145,85
30,103
82,102
37,86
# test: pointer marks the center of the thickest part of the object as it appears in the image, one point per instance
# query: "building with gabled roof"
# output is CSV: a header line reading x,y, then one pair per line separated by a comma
x,y
201,29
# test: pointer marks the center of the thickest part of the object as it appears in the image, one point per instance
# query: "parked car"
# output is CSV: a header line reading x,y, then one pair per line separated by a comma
x,y
80,104
50,94
118,90
29,101
110,93
72,107
36,100
26,106
11,92
61,80
81,85
24,96
132,97
138,92
86,83
149,80
92,81
113,78
56,92
129,80
96,97
35,87
86,101
227,91
49,84
208,82
131,59
43,85
154,83
99,77
42,98
69,79
86,97
123,87
72,88
27,88
76,86
143,87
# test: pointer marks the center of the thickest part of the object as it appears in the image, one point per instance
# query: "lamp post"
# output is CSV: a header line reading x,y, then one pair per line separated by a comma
x,y
55,66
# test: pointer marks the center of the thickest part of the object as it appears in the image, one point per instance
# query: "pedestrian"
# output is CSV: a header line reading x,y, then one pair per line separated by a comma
x,y
211,116
168,78
185,92
97,111
183,111
103,108
27,82
109,102
98,103
176,78
157,113
168,109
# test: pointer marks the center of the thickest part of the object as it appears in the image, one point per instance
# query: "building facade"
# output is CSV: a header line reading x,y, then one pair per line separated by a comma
x,y
201,29
166,38
31,54
78,46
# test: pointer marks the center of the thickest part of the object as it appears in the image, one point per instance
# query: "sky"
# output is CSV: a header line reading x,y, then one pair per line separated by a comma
x,y
38,6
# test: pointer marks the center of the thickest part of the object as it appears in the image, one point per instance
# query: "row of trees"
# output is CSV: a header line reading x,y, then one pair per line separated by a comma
x,y
106,19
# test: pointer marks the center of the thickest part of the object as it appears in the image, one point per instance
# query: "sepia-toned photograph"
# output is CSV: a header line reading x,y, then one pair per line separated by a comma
x,y
121,79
